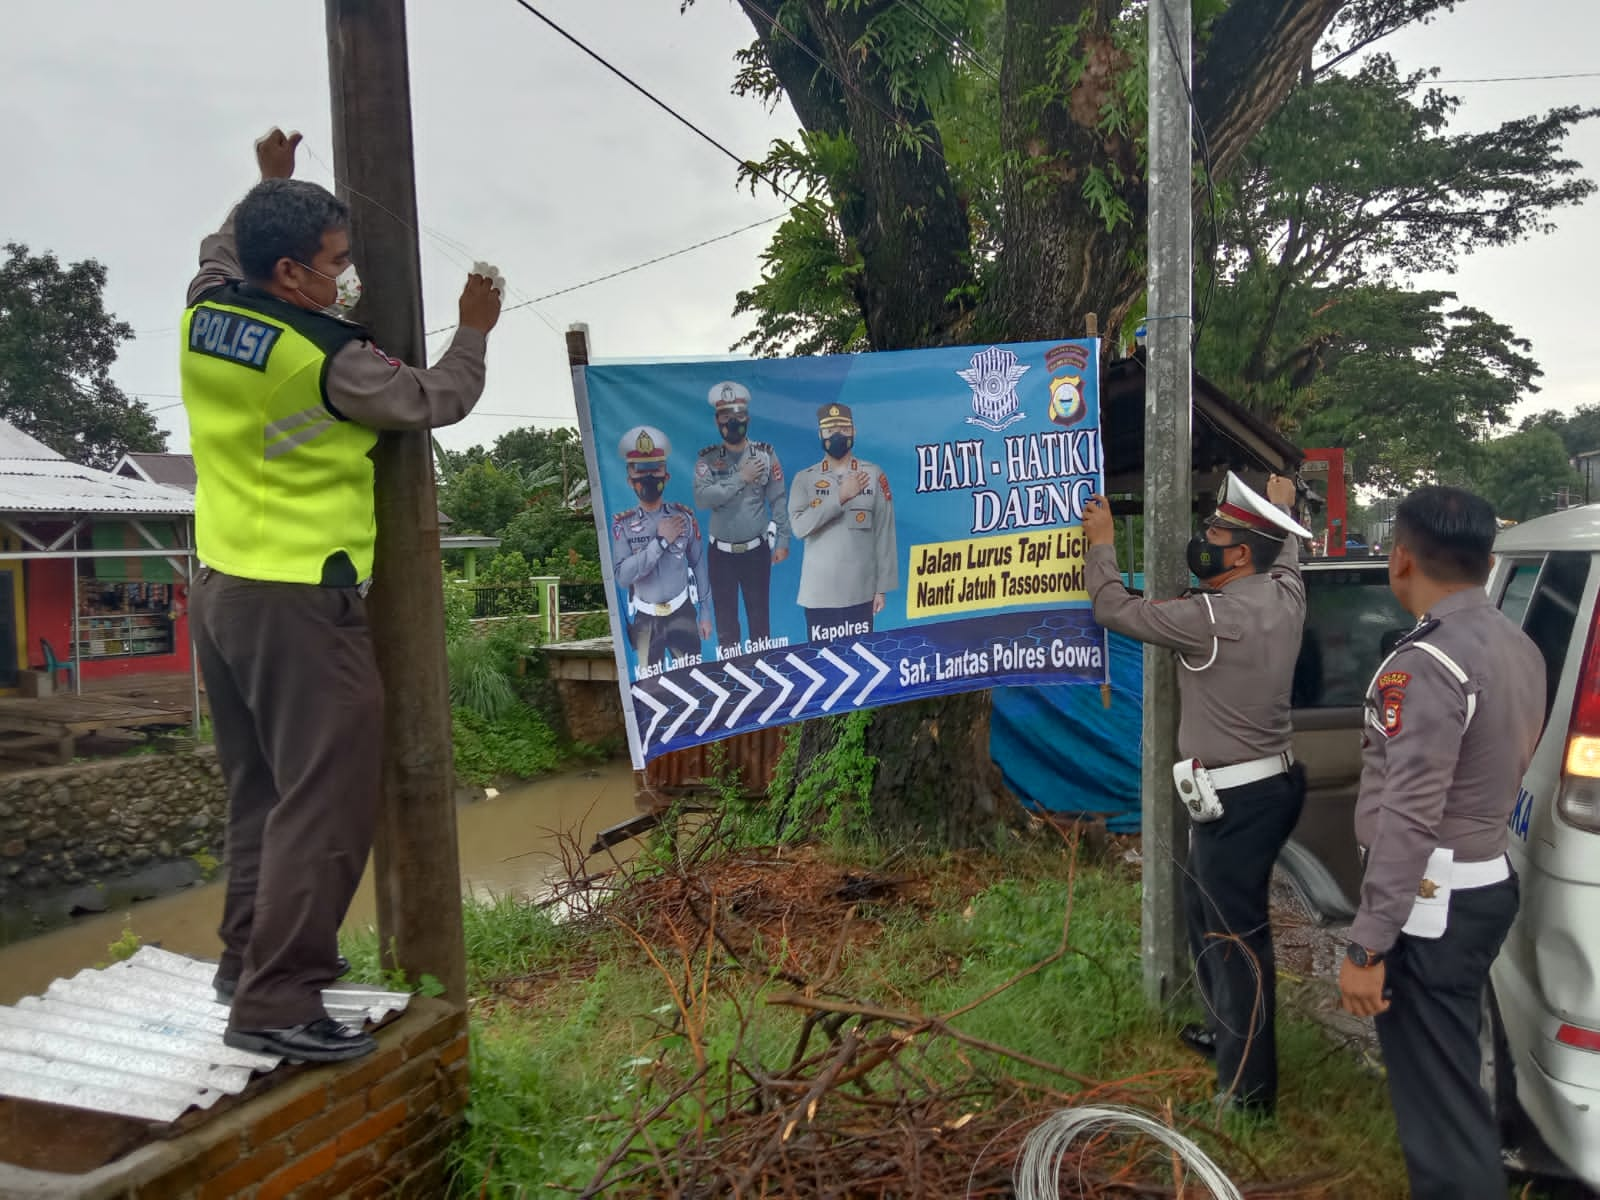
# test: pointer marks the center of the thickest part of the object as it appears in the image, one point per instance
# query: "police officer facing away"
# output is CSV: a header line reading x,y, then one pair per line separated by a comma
x,y
741,482
842,509
657,554
1237,639
1452,719
284,400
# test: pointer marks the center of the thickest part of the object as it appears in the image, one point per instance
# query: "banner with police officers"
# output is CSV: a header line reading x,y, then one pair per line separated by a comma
x,y
792,538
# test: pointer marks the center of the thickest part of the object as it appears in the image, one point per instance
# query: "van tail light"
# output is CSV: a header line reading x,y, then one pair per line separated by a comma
x,y
1580,1039
1578,801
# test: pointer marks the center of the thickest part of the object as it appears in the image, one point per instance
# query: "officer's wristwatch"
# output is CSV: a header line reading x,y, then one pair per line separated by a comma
x,y
1361,956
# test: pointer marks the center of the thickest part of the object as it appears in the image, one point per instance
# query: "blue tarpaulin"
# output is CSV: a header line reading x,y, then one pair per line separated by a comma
x,y
1061,750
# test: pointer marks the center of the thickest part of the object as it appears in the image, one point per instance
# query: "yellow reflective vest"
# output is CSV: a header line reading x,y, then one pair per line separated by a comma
x,y
284,488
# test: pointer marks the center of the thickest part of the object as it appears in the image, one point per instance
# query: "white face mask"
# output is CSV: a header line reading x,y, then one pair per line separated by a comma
x,y
347,290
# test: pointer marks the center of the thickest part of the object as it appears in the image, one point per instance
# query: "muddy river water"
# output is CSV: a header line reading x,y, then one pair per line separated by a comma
x,y
510,843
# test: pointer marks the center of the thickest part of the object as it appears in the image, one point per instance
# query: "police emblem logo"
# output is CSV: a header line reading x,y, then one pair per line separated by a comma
x,y
834,411
1428,889
861,517
645,443
1391,699
992,375
1066,400
726,396
824,484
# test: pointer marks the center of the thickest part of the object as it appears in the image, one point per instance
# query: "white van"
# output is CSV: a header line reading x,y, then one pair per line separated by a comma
x,y
1541,1030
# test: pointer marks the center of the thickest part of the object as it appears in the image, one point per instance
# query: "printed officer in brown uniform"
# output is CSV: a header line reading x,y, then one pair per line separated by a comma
x,y
1452,719
658,556
1237,638
741,482
843,511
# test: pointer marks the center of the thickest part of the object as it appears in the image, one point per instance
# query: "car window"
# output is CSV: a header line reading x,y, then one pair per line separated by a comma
x,y
1519,589
1349,616
1552,614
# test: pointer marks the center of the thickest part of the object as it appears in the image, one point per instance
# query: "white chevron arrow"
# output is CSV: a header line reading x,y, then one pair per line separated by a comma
x,y
755,690
816,682
690,704
883,669
657,707
850,676
781,682
721,694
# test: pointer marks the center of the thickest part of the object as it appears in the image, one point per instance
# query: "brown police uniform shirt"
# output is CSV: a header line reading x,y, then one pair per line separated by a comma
x,y
1237,709
1428,777
364,384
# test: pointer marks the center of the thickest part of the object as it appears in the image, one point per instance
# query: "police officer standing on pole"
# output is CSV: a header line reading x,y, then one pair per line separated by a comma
x,y
1452,719
657,554
1237,639
842,509
741,482
285,399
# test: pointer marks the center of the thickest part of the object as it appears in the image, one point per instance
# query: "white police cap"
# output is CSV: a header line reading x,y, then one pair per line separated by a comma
x,y
1241,507
728,395
643,447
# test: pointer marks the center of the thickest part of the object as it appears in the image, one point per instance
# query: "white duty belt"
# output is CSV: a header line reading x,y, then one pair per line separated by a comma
x,y
665,609
1254,771
738,547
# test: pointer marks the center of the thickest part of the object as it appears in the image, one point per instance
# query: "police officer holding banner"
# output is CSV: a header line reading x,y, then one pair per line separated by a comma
x,y
842,509
656,553
741,482
1452,719
1237,638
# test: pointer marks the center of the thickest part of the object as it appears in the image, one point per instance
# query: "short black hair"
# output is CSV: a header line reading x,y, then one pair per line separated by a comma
x,y
1264,550
1449,531
284,218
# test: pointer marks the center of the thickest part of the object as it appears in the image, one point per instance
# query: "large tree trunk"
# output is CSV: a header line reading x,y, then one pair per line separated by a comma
x,y
1061,257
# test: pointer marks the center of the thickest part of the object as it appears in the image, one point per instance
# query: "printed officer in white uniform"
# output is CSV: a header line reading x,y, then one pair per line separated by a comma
x,y
843,511
1453,716
741,482
657,554
1237,638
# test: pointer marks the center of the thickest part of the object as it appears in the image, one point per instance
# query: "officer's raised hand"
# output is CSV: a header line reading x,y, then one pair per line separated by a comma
x,y
1098,526
854,484
275,153
480,304
752,471
670,529
1280,491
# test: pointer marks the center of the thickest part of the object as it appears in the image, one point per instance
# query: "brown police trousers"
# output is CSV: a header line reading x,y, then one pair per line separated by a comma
x,y
297,707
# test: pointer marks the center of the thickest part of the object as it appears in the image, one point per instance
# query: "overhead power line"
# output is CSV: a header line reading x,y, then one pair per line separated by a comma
x,y
1523,78
744,163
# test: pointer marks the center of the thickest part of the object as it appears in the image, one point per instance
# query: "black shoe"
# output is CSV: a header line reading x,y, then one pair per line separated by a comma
x,y
225,988
322,1040
1199,1039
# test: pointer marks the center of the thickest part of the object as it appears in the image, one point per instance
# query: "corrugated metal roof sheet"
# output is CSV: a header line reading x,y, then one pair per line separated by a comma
x,y
16,444
34,485
169,470
143,1038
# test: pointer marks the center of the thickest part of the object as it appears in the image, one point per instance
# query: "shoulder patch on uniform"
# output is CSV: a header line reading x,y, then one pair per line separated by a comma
x,y
702,468
1391,699
883,486
704,450
616,525
233,337
767,446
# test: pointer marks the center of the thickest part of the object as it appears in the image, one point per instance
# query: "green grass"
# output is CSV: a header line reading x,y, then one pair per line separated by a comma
x,y
559,1074
519,744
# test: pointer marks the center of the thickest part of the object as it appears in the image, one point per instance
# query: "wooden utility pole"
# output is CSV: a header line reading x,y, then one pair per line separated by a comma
x,y
1167,468
417,870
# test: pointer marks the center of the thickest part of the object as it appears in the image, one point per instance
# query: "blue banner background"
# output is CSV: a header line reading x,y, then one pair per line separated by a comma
x,y
899,400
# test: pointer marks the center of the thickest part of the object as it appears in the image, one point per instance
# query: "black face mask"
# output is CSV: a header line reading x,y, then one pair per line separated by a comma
x,y
649,487
733,431
1205,558
837,445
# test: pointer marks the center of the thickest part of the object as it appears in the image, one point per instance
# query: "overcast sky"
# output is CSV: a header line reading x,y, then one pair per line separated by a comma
x,y
126,130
